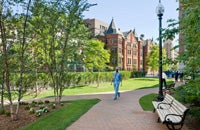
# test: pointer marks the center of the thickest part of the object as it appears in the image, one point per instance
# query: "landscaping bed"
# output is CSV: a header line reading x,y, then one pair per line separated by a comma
x,y
24,116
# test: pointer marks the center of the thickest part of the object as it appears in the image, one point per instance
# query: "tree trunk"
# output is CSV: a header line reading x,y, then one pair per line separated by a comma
x,y
5,61
98,80
22,60
2,95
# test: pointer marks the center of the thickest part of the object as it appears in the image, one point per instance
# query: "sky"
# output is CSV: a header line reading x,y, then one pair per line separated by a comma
x,y
133,14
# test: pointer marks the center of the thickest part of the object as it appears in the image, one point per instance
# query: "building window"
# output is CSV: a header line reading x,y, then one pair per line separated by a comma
x,y
129,52
114,40
114,61
129,61
120,50
134,61
141,52
120,41
120,60
129,44
114,50
134,53
134,46
141,62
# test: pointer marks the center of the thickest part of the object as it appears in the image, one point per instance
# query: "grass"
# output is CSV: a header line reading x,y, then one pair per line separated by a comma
x,y
146,101
130,84
64,117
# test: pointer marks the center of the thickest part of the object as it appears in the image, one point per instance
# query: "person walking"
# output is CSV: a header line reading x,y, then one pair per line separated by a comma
x,y
164,77
181,76
176,76
117,78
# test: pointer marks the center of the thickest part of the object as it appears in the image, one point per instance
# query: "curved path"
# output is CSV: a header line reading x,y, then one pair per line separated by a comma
x,y
122,114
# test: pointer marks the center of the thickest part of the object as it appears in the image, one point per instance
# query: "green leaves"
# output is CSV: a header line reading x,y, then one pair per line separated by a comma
x,y
96,55
153,59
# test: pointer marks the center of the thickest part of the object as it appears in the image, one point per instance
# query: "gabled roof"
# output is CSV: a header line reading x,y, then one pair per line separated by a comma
x,y
126,33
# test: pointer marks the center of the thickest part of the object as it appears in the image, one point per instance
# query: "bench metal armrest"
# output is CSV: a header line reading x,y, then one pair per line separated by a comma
x,y
159,107
168,120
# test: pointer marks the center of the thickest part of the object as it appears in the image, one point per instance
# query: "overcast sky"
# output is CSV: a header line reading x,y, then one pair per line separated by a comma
x,y
133,14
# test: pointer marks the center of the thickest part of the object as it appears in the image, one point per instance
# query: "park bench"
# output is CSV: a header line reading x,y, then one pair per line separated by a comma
x,y
169,88
170,112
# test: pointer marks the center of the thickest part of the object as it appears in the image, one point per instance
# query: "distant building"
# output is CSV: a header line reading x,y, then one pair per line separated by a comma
x,y
181,43
147,49
128,51
181,65
96,26
168,46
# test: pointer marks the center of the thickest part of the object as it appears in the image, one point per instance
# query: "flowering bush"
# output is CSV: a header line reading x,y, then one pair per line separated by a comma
x,y
41,106
32,111
46,101
53,105
38,112
40,102
45,109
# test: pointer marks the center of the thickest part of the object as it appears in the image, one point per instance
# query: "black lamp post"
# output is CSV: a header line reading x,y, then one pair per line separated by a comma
x,y
160,11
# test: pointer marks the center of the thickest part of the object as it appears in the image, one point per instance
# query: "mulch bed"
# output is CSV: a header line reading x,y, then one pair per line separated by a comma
x,y
24,118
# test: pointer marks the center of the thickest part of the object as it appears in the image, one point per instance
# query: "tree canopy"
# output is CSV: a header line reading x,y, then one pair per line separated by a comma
x,y
188,27
39,39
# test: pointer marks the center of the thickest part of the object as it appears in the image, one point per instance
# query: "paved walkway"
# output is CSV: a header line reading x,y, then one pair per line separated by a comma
x,y
122,114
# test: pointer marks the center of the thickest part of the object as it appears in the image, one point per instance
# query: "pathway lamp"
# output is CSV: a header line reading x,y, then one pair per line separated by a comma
x,y
160,11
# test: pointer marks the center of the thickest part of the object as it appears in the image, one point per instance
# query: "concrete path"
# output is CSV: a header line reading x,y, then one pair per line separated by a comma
x,y
122,114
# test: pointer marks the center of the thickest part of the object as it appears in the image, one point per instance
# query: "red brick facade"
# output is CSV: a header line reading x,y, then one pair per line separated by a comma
x,y
128,51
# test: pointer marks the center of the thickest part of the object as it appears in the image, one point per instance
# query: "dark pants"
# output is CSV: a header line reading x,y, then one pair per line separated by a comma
x,y
164,81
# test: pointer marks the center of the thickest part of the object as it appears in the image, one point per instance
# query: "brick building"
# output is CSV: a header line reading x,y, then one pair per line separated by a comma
x,y
128,51
168,46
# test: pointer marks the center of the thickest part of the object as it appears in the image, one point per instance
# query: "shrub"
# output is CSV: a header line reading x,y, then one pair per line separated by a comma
x,y
32,104
40,102
195,112
7,113
32,111
45,109
192,90
23,103
46,101
2,111
190,93
38,112
180,94
138,74
53,105
27,108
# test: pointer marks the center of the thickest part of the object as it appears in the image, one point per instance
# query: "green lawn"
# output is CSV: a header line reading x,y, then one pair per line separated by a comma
x,y
64,117
146,101
130,84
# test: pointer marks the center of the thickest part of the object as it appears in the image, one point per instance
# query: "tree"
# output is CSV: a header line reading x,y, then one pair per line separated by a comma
x,y
189,28
96,55
50,33
63,34
153,58
10,36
